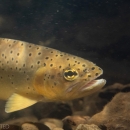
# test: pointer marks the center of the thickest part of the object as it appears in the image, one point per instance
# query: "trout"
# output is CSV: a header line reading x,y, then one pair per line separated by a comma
x,y
31,73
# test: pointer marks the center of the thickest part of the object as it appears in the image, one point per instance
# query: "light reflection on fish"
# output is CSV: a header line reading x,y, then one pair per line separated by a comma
x,y
31,73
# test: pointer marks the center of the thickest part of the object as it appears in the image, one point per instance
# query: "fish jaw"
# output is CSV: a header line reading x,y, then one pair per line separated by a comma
x,y
80,89
94,84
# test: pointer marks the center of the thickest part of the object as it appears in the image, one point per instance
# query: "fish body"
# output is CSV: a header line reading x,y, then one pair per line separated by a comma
x,y
31,73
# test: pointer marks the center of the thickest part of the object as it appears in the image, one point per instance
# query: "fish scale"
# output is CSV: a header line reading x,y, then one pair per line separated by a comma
x,y
31,73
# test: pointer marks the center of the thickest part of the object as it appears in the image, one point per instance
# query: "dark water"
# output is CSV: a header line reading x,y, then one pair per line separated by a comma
x,y
96,30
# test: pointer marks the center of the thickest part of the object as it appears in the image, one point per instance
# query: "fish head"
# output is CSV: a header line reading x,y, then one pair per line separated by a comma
x,y
69,78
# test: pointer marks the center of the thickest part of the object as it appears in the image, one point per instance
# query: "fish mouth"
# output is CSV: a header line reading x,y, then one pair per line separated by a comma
x,y
99,83
92,85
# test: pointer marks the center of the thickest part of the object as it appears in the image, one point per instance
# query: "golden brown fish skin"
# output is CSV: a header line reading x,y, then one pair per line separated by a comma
x,y
37,71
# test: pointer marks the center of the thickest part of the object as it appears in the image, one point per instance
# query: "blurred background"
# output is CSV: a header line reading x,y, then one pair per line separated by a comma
x,y
98,30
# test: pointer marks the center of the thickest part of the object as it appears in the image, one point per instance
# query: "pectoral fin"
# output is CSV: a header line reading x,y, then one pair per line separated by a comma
x,y
17,102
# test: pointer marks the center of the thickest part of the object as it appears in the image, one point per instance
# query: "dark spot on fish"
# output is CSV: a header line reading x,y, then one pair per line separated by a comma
x,y
51,59
31,66
38,62
47,58
67,58
60,66
28,87
12,58
22,44
44,64
75,61
85,70
73,57
96,74
19,69
27,78
7,62
12,82
83,65
14,41
30,46
16,61
11,51
1,77
9,45
46,48
52,77
68,64
56,55
61,55
78,62
2,54
39,53
93,68
55,83
74,64
24,72
89,75
30,54
51,65
5,57
51,51
23,65
17,54
58,74
16,68
37,48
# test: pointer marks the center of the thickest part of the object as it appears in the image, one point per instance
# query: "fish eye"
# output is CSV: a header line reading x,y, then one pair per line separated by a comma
x,y
70,74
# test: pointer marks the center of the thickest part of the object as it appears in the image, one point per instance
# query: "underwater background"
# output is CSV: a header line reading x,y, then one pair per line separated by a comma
x,y
97,30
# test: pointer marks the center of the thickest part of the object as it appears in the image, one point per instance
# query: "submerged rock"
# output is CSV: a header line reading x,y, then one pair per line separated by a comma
x,y
34,126
55,122
87,127
115,115
73,121
28,126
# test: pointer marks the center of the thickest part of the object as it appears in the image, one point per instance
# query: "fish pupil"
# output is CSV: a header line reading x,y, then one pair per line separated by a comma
x,y
70,74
